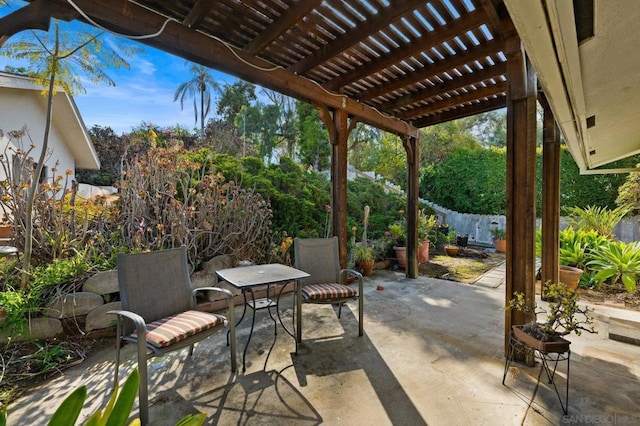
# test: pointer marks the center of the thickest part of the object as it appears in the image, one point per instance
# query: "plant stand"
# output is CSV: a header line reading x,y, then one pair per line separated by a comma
x,y
549,355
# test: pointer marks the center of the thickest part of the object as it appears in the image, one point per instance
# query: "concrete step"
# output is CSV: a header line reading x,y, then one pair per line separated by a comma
x,y
624,330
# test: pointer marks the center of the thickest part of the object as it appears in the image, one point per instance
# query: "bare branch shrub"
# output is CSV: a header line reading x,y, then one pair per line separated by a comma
x,y
168,201
63,222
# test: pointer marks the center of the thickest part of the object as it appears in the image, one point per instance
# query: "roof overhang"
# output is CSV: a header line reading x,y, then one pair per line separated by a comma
x,y
591,86
66,120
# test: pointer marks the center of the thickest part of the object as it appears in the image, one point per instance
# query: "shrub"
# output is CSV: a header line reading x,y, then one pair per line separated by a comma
x,y
599,219
617,262
168,200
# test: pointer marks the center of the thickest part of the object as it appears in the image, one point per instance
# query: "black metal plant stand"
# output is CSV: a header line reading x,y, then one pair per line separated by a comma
x,y
549,360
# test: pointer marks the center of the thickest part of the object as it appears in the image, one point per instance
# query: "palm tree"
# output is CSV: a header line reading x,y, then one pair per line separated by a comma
x,y
201,84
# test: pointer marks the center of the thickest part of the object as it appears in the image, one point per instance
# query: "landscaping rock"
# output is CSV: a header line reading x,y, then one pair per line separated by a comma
x,y
36,329
73,304
102,283
207,277
98,318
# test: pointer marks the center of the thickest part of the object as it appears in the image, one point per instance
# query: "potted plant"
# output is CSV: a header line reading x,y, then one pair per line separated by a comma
x,y
499,239
364,257
564,316
398,236
451,247
426,233
462,240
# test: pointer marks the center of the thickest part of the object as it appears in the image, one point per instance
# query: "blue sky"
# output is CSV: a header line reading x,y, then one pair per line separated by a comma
x,y
142,93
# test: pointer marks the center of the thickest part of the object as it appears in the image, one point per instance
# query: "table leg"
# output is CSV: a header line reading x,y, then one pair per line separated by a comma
x,y
298,313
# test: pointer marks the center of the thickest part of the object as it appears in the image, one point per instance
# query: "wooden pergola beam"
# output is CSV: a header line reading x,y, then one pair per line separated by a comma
x,y
124,17
464,23
521,183
477,53
34,16
440,89
456,113
550,195
373,24
197,13
465,98
288,19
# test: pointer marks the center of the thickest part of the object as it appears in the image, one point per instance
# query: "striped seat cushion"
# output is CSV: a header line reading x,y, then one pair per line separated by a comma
x,y
173,329
327,291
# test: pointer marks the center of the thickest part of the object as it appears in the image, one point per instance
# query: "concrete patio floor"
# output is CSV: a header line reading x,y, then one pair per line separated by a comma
x,y
432,353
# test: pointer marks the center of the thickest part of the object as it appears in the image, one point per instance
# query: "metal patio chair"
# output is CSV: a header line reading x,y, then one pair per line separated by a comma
x,y
320,258
158,311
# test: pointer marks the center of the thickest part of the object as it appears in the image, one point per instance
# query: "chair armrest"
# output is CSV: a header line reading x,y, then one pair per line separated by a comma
x,y
230,305
138,321
224,291
344,272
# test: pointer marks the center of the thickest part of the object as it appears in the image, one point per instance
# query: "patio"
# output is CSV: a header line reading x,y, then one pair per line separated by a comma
x,y
432,353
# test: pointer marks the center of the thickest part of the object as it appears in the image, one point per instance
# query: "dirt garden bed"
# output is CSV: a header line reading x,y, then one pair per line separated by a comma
x,y
466,267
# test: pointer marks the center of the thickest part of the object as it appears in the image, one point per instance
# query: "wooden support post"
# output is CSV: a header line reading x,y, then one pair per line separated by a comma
x,y
411,148
337,123
521,183
550,195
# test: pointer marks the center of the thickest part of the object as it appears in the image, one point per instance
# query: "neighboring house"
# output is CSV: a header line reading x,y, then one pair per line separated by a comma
x,y
23,104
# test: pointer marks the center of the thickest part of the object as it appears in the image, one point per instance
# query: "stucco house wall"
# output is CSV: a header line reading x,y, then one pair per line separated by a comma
x,y
22,104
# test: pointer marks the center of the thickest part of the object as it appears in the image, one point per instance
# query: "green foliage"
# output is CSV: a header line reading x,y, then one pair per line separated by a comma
x,y
70,56
110,149
363,192
599,219
439,141
629,193
17,304
115,413
233,99
617,262
498,233
201,88
427,226
386,157
585,190
577,246
169,200
363,253
315,149
468,181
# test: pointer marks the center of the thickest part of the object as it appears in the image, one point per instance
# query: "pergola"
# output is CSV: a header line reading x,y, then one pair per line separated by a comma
x,y
398,65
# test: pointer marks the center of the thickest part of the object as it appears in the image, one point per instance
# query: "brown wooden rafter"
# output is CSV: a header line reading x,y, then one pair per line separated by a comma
x,y
375,23
479,52
470,21
281,25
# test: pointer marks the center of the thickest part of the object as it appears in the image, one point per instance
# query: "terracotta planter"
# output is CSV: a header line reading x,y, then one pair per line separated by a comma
x,y
367,267
423,252
570,276
451,250
6,231
401,255
500,245
556,345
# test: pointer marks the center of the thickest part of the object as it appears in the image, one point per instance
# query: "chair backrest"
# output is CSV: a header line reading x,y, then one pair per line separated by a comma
x,y
156,284
318,257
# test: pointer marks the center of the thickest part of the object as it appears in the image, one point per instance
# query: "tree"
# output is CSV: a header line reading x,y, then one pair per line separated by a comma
x,y
629,193
58,59
313,138
233,98
200,87
437,142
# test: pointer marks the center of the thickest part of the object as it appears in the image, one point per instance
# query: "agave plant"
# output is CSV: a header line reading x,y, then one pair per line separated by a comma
x,y
577,246
600,219
617,261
